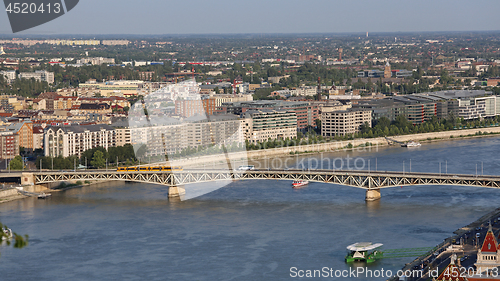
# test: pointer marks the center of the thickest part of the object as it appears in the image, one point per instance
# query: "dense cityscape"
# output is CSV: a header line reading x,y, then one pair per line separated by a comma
x,y
121,103
323,88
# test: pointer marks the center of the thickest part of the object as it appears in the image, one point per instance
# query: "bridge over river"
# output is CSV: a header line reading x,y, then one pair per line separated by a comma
x,y
371,181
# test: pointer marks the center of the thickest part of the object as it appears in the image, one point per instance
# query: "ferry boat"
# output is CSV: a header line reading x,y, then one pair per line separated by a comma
x,y
411,144
363,251
7,234
299,183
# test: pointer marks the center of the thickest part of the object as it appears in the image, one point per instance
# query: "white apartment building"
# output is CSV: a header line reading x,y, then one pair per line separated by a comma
x,y
96,61
10,75
343,122
173,138
39,75
74,140
479,107
262,125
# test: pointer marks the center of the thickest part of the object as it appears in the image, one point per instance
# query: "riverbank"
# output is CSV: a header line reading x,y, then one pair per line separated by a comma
x,y
241,158
12,194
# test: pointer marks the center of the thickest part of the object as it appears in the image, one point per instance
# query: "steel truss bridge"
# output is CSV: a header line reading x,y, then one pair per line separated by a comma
x,y
371,181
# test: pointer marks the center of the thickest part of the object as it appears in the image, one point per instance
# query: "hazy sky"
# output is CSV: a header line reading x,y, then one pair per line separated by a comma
x,y
269,16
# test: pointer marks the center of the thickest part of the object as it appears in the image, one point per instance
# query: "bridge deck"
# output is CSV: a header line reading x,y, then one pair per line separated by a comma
x,y
360,179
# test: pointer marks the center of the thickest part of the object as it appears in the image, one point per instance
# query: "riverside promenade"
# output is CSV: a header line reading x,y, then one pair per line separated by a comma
x,y
252,155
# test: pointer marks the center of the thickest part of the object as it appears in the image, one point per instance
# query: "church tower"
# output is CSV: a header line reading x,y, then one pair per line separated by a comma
x,y
488,256
387,70
1,51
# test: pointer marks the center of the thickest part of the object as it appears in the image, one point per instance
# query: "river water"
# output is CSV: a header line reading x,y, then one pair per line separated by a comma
x,y
248,230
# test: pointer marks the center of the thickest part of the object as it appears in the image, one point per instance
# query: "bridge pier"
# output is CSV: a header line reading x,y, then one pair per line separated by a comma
x,y
175,191
372,194
27,179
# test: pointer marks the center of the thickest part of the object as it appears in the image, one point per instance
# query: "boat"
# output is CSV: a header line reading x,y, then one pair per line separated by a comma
x,y
411,144
364,251
43,195
7,234
299,183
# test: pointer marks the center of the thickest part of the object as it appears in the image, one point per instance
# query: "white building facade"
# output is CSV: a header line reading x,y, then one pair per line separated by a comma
x,y
74,140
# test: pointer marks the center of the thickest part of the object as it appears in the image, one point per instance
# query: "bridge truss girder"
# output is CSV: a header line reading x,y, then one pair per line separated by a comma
x,y
359,179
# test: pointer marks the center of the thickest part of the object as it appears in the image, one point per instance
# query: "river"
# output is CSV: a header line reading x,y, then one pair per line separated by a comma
x,y
247,230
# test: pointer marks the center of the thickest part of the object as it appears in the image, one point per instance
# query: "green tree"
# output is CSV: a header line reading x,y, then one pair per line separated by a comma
x,y
16,163
98,160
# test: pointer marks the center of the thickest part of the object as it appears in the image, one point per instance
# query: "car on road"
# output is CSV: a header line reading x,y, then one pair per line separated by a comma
x,y
246,168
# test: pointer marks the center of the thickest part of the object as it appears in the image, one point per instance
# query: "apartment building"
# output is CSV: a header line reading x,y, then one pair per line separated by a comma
x,y
96,61
123,136
189,108
467,104
9,145
10,75
75,139
344,122
37,137
172,138
305,112
39,75
25,132
264,124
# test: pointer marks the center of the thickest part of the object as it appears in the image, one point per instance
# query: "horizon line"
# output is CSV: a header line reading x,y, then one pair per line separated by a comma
x,y
256,34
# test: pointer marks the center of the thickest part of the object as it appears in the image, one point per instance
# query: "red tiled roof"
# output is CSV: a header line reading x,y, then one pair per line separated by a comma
x,y
37,130
490,243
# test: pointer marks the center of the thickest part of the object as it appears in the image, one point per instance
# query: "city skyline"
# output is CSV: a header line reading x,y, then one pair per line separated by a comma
x,y
278,16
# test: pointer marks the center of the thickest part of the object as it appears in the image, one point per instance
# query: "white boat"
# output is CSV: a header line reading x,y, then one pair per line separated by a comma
x,y
43,195
7,234
411,144
299,183
364,251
